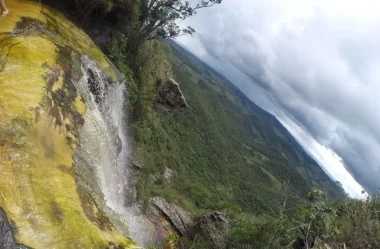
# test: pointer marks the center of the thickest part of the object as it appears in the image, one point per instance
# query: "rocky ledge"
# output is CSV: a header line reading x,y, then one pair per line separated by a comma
x,y
176,216
169,97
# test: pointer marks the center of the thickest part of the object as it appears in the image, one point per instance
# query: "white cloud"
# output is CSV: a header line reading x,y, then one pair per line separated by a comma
x,y
331,163
316,65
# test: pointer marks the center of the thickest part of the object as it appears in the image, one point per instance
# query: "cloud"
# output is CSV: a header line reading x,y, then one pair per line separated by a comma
x,y
313,64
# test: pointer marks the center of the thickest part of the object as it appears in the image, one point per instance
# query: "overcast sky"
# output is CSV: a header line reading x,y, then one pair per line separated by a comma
x,y
315,65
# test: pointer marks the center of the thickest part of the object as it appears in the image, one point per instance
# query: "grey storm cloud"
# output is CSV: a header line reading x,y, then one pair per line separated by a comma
x,y
313,64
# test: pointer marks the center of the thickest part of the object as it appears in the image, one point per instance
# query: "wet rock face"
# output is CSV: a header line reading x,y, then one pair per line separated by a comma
x,y
177,217
51,109
169,97
94,85
6,237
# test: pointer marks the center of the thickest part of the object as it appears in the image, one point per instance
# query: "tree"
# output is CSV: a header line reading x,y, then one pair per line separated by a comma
x,y
159,17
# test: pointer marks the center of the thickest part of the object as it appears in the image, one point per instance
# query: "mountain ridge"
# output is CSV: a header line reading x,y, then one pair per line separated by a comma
x,y
225,152
248,103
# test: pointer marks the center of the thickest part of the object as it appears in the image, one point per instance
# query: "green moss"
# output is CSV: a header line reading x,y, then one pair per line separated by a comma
x,y
92,211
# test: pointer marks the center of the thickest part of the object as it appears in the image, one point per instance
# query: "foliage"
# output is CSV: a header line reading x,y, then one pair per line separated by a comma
x,y
357,223
137,21
271,234
159,17
226,152
149,66
347,223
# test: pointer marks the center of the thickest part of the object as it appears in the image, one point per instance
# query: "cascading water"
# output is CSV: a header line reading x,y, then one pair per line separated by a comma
x,y
65,181
102,157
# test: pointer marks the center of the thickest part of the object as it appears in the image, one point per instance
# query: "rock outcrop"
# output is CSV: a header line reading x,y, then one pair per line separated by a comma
x,y
179,219
215,217
211,228
131,181
169,97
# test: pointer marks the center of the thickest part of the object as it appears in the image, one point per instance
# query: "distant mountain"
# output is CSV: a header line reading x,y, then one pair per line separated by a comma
x,y
226,151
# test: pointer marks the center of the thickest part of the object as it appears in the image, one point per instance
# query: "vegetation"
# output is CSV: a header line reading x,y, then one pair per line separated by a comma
x,y
346,223
137,21
160,16
223,152
320,224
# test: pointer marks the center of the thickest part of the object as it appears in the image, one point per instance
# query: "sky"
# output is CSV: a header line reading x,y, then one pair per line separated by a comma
x,y
315,65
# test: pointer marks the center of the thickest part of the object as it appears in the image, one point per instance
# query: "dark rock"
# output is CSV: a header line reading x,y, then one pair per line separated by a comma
x,y
169,97
135,169
208,226
102,35
304,241
131,181
119,145
7,240
300,243
93,80
214,217
179,219
94,86
136,166
113,246
218,217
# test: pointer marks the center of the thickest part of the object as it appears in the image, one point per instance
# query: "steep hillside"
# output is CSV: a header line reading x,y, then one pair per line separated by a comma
x,y
224,151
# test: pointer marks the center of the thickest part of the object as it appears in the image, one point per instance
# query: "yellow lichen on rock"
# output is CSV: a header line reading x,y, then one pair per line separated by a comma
x,y
37,186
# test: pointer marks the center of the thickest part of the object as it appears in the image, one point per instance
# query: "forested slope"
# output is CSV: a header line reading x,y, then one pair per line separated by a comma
x,y
224,150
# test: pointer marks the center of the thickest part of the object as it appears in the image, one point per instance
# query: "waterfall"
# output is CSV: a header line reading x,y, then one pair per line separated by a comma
x,y
101,160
